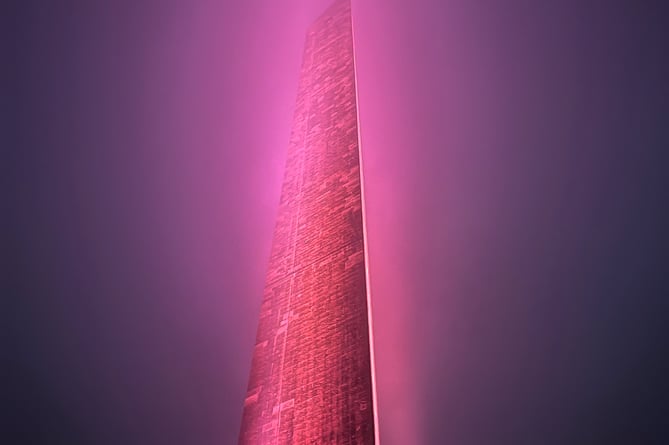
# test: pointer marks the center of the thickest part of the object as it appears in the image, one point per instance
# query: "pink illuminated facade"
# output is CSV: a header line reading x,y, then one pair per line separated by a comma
x,y
312,375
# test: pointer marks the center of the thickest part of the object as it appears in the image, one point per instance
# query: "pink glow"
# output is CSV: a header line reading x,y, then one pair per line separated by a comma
x,y
370,317
514,197
312,378
384,200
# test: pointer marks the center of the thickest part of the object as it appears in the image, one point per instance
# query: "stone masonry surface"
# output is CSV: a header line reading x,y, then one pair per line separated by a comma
x,y
311,375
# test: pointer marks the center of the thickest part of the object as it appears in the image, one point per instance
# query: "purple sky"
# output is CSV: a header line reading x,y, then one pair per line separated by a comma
x,y
515,159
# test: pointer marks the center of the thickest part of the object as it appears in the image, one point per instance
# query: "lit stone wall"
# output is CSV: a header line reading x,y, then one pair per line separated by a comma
x,y
310,381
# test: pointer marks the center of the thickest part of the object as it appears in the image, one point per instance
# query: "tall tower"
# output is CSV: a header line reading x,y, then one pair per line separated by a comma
x,y
312,375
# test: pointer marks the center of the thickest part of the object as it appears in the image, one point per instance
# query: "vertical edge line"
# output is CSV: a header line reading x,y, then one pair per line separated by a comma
x,y
293,272
365,244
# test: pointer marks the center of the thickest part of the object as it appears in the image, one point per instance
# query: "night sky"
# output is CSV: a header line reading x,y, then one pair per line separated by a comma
x,y
517,187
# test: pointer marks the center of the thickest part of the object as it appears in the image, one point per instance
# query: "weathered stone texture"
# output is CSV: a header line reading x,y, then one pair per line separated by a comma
x,y
310,380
